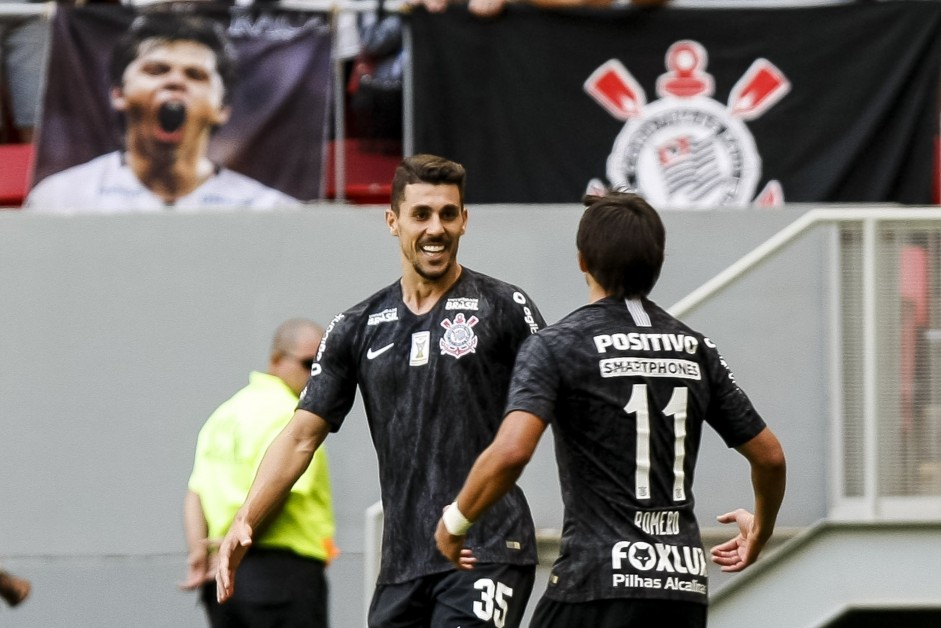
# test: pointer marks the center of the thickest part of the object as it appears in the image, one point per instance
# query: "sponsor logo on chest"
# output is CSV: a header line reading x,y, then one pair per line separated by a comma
x,y
461,303
385,316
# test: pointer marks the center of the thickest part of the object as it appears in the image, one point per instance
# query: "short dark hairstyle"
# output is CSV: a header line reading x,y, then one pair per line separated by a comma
x,y
170,27
621,239
424,168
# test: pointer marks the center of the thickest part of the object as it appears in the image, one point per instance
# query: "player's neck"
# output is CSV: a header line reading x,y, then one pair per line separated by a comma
x,y
421,294
595,291
170,173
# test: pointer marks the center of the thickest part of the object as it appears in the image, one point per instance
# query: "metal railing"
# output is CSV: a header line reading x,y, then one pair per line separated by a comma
x,y
900,479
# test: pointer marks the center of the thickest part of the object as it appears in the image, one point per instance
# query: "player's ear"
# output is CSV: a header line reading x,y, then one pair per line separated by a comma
x,y
222,116
393,221
582,266
118,101
464,217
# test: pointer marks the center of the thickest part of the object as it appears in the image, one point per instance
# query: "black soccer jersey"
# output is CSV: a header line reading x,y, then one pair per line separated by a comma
x,y
434,387
626,388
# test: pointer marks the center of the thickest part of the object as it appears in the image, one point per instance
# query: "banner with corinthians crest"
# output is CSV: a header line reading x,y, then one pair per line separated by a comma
x,y
693,108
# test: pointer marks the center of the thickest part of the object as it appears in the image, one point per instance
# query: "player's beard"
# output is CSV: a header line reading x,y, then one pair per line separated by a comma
x,y
436,272
432,275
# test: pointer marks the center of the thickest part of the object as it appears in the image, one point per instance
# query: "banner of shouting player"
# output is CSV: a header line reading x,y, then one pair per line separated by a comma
x,y
693,108
183,106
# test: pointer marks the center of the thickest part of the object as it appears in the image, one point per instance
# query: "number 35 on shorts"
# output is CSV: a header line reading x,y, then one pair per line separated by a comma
x,y
493,603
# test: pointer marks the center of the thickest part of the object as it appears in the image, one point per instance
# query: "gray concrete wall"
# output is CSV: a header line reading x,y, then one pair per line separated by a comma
x,y
121,334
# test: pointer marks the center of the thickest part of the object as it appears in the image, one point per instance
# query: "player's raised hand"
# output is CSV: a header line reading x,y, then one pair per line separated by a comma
x,y
452,547
741,551
231,551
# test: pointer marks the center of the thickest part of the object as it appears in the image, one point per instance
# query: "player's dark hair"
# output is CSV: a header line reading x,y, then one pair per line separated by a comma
x,y
621,239
170,27
426,169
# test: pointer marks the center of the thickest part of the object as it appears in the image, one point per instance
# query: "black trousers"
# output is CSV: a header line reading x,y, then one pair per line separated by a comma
x,y
273,589
619,613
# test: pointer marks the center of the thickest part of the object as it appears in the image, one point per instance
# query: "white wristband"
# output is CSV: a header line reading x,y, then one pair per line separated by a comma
x,y
455,521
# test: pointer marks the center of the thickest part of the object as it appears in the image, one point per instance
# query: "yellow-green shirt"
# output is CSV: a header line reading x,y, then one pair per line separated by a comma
x,y
228,451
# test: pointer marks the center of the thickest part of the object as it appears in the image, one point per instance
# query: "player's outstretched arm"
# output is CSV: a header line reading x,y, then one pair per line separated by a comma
x,y
285,460
494,473
769,473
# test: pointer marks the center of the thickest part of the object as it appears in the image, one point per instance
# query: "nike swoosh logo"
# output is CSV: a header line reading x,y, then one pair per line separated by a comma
x,y
370,354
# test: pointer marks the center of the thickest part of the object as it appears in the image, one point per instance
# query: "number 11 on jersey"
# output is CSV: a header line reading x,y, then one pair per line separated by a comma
x,y
676,408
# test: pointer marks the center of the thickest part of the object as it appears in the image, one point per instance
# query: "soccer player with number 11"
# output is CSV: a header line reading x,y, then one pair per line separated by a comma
x,y
626,388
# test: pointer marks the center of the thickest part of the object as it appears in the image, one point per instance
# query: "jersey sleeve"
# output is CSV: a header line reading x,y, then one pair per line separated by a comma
x,y
331,389
536,315
730,411
535,380
523,318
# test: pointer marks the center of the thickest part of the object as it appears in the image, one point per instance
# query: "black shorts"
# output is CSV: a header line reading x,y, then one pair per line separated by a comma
x,y
489,596
273,588
621,613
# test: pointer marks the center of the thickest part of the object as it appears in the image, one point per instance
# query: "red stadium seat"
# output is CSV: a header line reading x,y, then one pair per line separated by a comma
x,y
15,164
368,174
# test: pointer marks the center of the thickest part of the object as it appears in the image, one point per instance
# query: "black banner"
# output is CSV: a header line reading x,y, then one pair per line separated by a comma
x,y
279,107
692,108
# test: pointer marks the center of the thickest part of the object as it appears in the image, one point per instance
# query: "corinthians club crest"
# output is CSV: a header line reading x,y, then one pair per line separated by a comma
x,y
687,150
459,338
